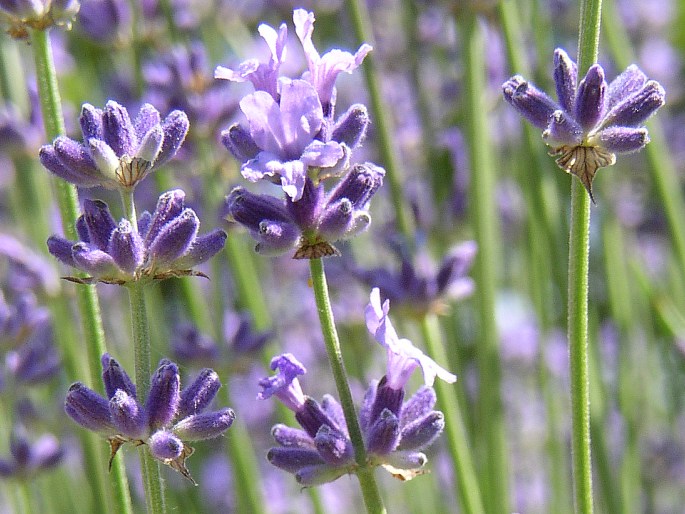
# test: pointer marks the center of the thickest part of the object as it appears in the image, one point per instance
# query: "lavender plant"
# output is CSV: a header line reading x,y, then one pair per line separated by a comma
x,y
302,177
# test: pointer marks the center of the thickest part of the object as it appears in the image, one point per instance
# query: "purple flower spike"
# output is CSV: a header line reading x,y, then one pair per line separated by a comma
x,y
30,458
284,384
162,423
116,152
323,70
164,397
166,243
592,122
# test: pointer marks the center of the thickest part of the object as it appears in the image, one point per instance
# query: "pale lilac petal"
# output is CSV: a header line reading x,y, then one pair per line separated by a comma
x,y
322,155
264,118
301,115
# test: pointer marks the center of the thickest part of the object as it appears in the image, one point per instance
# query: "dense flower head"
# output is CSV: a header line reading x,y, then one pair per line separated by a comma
x,y
167,418
321,451
117,152
420,288
291,136
592,121
161,245
310,225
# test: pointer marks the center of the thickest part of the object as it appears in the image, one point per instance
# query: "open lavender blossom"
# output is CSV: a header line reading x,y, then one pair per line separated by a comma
x,y
418,287
165,421
161,245
291,135
592,120
310,225
116,152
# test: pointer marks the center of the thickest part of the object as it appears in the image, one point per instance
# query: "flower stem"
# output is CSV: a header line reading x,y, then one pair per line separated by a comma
x,y
154,489
383,126
67,199
578,268
494,481
367,481
457,438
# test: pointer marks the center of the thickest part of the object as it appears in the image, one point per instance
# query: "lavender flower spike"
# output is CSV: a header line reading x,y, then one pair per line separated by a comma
x,y
164,244
168,418
117,152
592,121
403,356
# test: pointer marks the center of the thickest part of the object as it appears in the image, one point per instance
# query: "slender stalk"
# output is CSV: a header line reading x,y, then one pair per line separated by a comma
x,y
383,125
154,487
457,438
493,451
367,481
578,268
87,300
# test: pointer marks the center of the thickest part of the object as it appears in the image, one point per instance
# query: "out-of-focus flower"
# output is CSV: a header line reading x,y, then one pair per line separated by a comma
x,y
311,224
181,79
36,360
105,21
592,121
30,458
116,152
26,270
163,244
168,418
242,340
20,319
37,14
419,288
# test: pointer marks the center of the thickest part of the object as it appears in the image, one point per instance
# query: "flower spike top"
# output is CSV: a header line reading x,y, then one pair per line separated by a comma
x,y
592,120
323,70
163,244
403,356
117,152
164,421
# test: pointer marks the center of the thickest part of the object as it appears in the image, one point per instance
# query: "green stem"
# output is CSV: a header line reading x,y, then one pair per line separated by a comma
x,y
383,125
367,481
578,268
154,488
457,438
67,199
493,448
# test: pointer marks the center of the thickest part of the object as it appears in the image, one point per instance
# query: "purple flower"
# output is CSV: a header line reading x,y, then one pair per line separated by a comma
x,y
105,21
29,458
116,152
164,244
169,416
321,451
403,356
419,288
285,134
323,70
264,76
311,224
592,120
